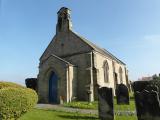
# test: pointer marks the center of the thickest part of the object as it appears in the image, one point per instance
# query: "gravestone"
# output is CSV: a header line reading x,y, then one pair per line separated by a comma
x,y
152,88
122,94
139,85
148,104
105,103
31,83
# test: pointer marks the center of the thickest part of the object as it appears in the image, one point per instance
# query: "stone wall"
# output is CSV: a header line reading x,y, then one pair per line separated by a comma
x,y
65,44
45,69
83,65
99,61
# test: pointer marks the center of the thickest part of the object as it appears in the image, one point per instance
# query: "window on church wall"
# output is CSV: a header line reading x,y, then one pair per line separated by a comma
x,y
106,72
121,75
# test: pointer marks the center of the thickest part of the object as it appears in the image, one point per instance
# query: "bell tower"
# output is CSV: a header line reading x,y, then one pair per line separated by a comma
x,y
64,20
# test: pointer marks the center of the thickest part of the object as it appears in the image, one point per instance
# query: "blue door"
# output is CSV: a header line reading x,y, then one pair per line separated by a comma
x,y
53,88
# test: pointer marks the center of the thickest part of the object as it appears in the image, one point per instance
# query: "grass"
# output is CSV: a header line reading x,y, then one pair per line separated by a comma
x,y
82,105
94,105
37,114
130,107
125,118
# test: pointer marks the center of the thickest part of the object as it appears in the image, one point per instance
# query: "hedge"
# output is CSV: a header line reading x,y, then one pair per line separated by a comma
x,y
16,101
9,84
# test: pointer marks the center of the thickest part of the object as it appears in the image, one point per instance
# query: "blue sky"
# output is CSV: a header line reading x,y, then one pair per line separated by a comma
x,y
130,29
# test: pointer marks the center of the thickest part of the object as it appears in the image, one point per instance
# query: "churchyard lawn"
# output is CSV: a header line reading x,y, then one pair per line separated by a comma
x,y
37,114
94,105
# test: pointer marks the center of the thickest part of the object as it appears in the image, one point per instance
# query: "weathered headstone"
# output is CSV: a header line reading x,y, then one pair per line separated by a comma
x,y
152,88
139,85
105,103
122,94
148,103
31,83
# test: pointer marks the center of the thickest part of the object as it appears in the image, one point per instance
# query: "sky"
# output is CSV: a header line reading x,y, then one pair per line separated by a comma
x,y
129,29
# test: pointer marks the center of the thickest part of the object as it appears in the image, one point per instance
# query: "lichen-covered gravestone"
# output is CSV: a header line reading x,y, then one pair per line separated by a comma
x,y
105,103
122,94
148,103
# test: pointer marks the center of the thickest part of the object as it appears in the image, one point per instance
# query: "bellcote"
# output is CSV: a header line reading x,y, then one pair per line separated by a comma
x,y
64,20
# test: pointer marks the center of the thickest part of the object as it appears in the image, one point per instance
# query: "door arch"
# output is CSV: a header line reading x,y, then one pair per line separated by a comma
x,y
53,89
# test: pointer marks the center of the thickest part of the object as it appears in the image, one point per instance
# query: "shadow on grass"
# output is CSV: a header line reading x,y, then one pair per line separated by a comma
x,y
77,117
74,116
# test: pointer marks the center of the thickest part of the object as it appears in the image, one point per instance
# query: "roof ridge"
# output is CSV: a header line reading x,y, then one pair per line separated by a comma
x,y
97,48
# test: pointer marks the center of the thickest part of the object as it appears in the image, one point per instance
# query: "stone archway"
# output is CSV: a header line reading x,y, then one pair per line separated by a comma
x,y
53,88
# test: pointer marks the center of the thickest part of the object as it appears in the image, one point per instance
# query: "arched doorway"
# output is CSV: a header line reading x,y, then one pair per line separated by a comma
x,y
53,91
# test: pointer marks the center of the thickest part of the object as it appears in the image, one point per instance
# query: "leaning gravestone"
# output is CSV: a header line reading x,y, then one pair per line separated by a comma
x,y
148,103
105,103
122,94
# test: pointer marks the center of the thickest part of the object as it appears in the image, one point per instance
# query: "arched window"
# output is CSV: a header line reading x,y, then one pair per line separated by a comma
x,y
106,71
120,75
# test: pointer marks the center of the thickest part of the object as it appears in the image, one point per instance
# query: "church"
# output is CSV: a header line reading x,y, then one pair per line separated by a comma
x,y
72,68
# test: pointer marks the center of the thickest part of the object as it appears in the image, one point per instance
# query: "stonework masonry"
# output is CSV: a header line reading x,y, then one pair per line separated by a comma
x,y
79,65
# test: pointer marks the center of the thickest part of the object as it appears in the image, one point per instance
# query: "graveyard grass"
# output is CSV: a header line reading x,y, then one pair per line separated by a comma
x,y
37,114
94,105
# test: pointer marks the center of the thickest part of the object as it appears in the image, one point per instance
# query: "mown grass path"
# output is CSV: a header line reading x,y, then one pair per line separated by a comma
x,y
77,111
66,109
120,109
44,114
37,114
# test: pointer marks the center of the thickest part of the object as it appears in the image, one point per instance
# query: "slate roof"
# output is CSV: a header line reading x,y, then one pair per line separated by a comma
x,y
98,49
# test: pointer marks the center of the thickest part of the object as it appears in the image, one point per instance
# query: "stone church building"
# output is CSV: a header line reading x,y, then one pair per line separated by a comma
x,y
72,68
